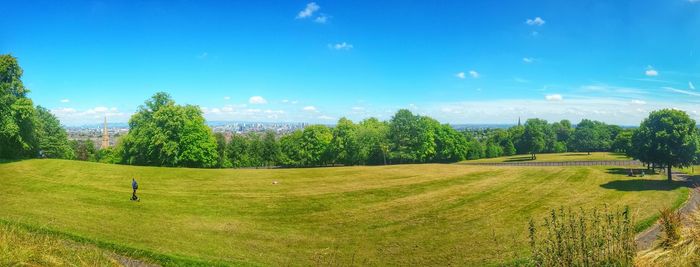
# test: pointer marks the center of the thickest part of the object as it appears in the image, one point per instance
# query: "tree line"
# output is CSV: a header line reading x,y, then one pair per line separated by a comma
x,y
163,133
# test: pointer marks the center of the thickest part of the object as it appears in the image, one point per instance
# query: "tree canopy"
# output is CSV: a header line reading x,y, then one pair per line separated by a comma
x,y
162,133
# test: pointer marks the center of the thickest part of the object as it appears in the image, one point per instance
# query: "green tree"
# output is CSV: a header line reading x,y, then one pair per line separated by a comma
x,y
450,145
534,136
622,142
315,144
411,137
292,150
344,146
162,133
53,139
271,149
237,151
373,141
667,138
17,113
84,149
585,139
221,150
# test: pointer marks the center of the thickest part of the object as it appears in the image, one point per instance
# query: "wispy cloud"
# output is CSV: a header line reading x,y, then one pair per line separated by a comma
x,y
308,11
257,100
537,21
461,75
528,60
65,100
340,46
553,97
474,74
690,84
227,98
685,92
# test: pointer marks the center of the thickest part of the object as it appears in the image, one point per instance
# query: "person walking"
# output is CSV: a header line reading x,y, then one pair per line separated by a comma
x,y
134,185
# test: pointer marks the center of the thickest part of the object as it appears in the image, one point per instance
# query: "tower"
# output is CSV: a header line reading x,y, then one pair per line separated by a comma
x,y
518,121
105,136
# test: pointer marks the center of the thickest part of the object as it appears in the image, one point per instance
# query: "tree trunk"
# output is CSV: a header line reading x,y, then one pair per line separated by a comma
x,y
669,173
589,152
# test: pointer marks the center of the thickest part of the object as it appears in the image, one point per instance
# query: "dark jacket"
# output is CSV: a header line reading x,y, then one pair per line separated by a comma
x,y
134,184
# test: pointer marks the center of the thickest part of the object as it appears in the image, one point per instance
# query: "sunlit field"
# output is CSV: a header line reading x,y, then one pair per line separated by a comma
x,y
432,214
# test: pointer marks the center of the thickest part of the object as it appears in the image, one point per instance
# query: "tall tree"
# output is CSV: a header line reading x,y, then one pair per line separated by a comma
x,y
344,146
53,139
667,138
271,148
373,141
84,149
315,144
237,151
17,113
162,133
221,150
534,136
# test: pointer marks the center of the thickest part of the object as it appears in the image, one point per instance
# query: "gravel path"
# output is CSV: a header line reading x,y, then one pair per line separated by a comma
x,y
645,240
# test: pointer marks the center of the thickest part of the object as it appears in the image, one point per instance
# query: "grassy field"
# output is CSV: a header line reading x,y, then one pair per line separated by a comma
x,y
555,157
432,214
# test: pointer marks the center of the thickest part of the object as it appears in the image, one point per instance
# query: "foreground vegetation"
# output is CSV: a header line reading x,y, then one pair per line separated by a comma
x,y
384,215
19,247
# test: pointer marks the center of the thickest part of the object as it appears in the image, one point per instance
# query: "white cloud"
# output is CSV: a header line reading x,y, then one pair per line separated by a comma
x,y
690,84
474,74
358,108
308,11
324,117
340,46
639,102
227,97
257,100
65,100
553,97
310,109
460,75
651,72
71,116
323,18
528,60
537,21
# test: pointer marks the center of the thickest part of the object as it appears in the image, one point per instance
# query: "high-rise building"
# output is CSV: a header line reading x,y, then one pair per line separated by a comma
x,y
105,136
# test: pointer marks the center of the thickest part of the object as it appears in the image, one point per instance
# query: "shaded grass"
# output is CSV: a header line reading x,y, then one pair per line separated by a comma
x,y
557,157
431,214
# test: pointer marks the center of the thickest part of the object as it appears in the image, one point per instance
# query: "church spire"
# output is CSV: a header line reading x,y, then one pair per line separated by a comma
x,y
105,136
518,121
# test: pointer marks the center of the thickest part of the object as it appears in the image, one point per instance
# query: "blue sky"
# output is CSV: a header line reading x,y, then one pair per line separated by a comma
x,y
457,61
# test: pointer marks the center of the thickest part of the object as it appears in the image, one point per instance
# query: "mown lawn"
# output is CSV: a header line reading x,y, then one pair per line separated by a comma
x,y
432,214
557,157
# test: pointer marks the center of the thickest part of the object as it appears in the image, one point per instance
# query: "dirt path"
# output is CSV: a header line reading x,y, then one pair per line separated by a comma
x,y
645,240
560,163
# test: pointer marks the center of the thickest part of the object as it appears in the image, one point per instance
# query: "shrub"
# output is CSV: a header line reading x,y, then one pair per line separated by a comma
x,y
593,238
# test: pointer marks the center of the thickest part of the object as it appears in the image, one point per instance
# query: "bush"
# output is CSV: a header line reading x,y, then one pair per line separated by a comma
x,y
583,238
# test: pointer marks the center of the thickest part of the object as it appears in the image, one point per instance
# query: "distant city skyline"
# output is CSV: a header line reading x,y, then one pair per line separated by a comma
x,y
460,62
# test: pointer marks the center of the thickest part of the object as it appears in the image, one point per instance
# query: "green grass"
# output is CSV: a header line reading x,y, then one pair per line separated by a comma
x,y
20,247
557,157
431,214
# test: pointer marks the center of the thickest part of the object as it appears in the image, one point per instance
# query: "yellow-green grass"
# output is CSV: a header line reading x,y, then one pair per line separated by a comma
x,y
557,157
19,247
431,214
